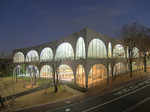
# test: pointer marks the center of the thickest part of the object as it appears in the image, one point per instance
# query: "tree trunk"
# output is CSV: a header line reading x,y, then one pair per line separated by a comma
x,y
2,102
130,61
145,63
56,88
54,79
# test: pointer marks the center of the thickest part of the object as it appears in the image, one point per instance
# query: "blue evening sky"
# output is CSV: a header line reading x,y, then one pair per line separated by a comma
x,y
26,23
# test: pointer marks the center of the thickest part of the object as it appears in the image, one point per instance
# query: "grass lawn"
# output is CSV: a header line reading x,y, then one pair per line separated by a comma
x,y
42,97
8,86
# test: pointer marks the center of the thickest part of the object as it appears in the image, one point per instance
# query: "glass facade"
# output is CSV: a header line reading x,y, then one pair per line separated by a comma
x,y
118,51
119,68
18,57
64,51
134,66
32,70
32,56
135,52
80,49
46,72
46,54
65,73
65,54
97,49
80,76
17,70
97,73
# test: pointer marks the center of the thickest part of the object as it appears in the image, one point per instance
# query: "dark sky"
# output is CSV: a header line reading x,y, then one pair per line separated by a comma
x,y
31,22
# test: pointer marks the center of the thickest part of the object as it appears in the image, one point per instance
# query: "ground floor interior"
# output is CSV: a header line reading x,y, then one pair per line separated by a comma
x,y
96,74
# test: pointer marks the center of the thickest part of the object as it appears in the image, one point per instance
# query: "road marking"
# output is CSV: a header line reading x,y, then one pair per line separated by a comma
x,y
136,105
67,110
94,107
88,99
131,88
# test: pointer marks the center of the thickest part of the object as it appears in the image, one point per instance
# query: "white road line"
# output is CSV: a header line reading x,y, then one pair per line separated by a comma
x,y
136,105
97,106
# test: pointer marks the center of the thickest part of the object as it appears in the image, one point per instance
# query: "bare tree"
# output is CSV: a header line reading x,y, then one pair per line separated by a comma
x,y
143,43
136,35
55,66
129,33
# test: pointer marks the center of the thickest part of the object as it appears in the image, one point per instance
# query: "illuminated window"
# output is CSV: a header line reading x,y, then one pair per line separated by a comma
x,y
134,66
97,49
32,56
118,51
109,50
18,57
80,76
65,73
32,70
17,70
46,72
64,51
119,68
135,52
80,48
96,75
138,65
46,54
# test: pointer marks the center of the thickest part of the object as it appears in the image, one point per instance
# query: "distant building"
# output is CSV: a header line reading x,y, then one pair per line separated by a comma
x,y
85,58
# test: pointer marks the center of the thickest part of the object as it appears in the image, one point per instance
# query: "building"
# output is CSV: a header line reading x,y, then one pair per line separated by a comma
x,y
84,58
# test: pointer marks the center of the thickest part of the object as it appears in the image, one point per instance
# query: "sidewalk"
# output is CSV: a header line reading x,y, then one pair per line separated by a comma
x,y
120,81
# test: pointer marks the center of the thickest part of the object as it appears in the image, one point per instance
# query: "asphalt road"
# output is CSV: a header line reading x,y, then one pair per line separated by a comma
x,y
126,99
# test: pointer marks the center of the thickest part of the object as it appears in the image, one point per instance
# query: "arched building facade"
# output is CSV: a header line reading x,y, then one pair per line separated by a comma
x,y
85,58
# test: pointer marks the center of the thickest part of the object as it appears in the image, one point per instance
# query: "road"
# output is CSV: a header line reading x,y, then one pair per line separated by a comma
x,y
126,99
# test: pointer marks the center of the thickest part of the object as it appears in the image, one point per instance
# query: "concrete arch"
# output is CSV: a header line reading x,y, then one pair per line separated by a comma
x,y
64,51
118,51
46,71
109,50
97,49
65,73
81,76
32,56
80,48
18,57
46,54
98,73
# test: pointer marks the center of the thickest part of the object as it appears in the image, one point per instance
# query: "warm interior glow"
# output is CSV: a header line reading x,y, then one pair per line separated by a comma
x,y
96,75
80,76
65,73
46,72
